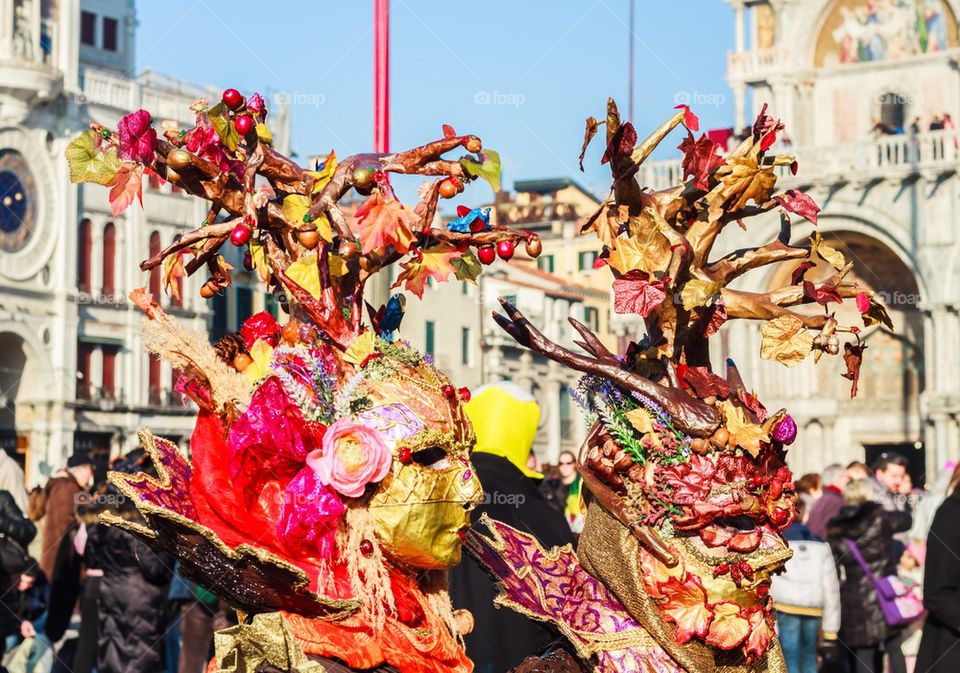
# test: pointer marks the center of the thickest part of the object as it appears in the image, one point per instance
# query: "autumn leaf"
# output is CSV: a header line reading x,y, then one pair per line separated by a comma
x,y
138,140
765,129
797,276
433,262
173,274
360,348
649,253
642,422
728,629
264,134
697,292
823,294
700,158
322,177
686,606
716,316
853,359
262,354
258,257
622,142
588,134
223,125
795,201
488,168
743,433
304,272
690,120
606,222
828,254
126,185
88,163
705,383
872,312
448,131
785,340
382,222
634,292
295,206
466,267
744,179
760,634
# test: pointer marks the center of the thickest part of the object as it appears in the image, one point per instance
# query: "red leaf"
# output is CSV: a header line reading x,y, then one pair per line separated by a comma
x,y
760,634
622,142
700,158
686,606
765,129
853,358
728,629
800,203
824,294
751,402
794,167
863,302
448,131
384,221
716,317
126,184
636,293
138,140
690,120
745,541
705,383
798,273
714,536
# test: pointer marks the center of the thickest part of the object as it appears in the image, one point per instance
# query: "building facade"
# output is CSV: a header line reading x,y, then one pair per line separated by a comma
x,y
73,374
867,90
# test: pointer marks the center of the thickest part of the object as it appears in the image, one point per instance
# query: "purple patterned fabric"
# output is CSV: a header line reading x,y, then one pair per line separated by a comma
x,y
392,421
176,496
553,587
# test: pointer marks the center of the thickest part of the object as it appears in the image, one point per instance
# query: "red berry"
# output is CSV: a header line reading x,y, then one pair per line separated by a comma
x,y
448,391
240,235
366,547
505,249
232,98
247,261
486,254
405,454
464,394
243,124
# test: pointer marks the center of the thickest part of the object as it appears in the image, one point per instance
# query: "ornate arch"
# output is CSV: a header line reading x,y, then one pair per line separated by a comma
x,y
37,370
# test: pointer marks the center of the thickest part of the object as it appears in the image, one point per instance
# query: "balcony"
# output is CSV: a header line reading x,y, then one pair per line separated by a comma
x,y
756,64
894,156
165,99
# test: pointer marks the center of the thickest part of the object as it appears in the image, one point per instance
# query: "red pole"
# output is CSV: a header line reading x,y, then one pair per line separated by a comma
x,y
381,76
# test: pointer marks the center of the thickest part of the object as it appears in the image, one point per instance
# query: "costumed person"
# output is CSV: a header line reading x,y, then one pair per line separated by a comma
x,y
685,484
505,418
330,483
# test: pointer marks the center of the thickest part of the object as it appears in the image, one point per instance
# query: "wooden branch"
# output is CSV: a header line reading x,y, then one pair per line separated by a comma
x,y
760,306
736,264
214,231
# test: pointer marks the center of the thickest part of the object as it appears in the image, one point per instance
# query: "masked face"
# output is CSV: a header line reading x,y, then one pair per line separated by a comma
x,y
421,510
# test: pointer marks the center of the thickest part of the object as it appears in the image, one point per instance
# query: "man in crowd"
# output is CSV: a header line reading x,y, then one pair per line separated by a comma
x,y
12,481
857,471
889,471
826,507
62,491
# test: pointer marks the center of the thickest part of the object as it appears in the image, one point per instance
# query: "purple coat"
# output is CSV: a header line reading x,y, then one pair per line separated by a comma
x,y
824,509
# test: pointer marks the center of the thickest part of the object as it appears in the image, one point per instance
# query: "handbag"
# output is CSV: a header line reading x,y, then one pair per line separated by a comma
x,y
13,558
898,604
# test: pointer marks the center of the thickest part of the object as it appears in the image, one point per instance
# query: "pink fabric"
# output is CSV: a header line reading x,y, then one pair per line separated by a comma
x,y
309,516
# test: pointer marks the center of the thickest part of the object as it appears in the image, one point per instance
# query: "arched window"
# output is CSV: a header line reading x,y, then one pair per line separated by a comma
x,y
109,257
155,271
893,111
84,254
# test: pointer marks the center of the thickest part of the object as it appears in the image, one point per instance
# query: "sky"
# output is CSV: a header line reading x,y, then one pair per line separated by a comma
x,y
523,74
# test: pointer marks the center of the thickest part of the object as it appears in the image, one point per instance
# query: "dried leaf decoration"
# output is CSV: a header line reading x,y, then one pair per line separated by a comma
x,y
642,422
785,340
698,292
686,606
588,133
383,222
467,267
872,311
487,168
853,358
636,293
760,634
743,433
799,203
295,206
828,254
606,222
744,179
649,253
126,186
173,274
258,257
88,163
304,272
728,629
138,140
700,158
431,263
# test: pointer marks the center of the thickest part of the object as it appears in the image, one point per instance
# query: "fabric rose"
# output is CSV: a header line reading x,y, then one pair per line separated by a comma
x,y
260,326
352,457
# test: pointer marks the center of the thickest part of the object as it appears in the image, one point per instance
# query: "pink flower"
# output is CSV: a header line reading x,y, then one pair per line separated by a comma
x,y
352,457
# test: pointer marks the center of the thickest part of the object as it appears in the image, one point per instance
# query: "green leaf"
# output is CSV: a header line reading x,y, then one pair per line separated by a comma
x,y
218,110
88,163
488,168
466,267
229,137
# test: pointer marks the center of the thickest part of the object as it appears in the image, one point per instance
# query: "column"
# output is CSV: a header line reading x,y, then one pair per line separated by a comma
x,y
551,412
739,105
738,27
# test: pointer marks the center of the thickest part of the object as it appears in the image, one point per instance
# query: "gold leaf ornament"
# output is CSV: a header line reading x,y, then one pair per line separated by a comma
x,y
785,340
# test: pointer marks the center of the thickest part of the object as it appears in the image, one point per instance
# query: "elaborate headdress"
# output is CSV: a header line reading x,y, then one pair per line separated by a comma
x,y
330,475
684,473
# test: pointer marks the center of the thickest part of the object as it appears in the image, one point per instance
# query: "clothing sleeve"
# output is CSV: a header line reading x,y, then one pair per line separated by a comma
x,y
831,596
898,521
155,568
941,579
13,523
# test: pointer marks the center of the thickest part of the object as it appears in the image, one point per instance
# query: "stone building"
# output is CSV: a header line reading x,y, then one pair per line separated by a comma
x,y
72,370
867,90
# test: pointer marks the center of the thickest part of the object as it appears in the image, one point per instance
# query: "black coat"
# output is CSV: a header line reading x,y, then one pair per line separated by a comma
x,y
21,530
501,638
940,646
133,601
872,529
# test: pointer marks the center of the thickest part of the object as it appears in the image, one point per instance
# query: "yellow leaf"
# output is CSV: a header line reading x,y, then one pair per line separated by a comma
x,y
650,254
88,163
261,353
295,206
744,179
323,176
361,347
830,255
642,422
785,340
304,272
264,133
697,292
744,434
337,266
258,256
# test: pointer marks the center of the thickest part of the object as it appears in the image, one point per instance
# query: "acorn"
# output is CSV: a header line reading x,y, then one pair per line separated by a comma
x,y
309,238
362,178
178,159
473,144
533,246
833,345
291,332
242,361
209,289
698,445
447,189
720,437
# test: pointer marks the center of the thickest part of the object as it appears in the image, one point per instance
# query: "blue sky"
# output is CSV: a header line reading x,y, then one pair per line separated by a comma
x,y
544,66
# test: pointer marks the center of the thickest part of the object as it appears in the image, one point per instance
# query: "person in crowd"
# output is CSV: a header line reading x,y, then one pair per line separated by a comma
x,y
17,532
929,503
61,501
32,613
200,616
865,524
12,481
910,572
940,644
857,471
809,488
889,471
835,477
511,495
132,610
915,126
807,598
937,124
563,490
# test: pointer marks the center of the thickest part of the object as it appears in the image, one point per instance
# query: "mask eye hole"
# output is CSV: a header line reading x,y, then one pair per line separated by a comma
x,y
433,457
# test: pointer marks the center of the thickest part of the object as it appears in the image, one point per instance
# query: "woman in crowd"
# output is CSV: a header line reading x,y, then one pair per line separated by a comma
x,y
940,644
862,627
17,531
